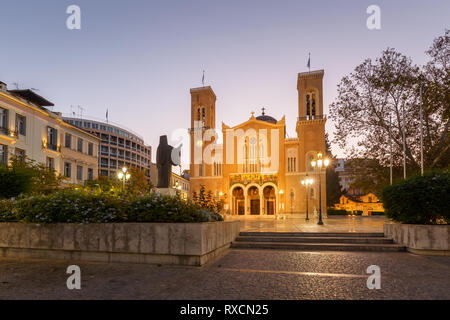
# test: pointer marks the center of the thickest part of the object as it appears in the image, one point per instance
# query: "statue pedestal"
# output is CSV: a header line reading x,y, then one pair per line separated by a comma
x,y
166,192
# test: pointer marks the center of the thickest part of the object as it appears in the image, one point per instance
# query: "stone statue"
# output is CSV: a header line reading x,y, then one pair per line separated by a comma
x,y
166,157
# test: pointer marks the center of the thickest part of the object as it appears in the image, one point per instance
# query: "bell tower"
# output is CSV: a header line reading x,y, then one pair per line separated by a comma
x,y
203,117
310,95
203,107
311,125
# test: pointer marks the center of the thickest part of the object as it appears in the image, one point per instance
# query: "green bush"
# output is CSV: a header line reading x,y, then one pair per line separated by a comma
x,y
335,212
82,206
419,200
15,181
378,213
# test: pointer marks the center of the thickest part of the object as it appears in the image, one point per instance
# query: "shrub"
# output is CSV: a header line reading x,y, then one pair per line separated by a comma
x,y
419,200
89,207
335,212
15,181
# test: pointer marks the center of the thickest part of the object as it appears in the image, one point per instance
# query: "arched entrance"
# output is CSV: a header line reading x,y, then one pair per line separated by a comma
x,y
253,199
238,201
269,200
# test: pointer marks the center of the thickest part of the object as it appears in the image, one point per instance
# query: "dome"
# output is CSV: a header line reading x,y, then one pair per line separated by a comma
x,y
266,118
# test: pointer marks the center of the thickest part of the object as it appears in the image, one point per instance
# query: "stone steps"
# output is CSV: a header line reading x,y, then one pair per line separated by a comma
x,y
314,234
355,240
305,241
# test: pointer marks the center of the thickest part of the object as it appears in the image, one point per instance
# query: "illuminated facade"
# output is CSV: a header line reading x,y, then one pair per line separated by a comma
x,y
257,170
29,129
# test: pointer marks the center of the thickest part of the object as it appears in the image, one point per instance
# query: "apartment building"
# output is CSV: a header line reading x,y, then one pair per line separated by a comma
x,y
119,147
28,128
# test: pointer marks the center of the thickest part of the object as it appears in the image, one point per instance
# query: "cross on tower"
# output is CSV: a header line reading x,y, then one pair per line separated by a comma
x,y
263,109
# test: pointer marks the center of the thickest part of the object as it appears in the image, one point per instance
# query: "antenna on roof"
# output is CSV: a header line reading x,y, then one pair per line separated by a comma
x,y
16,84
34,89
80,109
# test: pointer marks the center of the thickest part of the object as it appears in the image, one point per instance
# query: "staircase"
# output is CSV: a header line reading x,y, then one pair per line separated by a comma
x,y
311,241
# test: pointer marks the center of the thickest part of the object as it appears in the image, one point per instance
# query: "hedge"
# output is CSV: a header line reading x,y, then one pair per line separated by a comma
x,y
89,207
335,212
419,200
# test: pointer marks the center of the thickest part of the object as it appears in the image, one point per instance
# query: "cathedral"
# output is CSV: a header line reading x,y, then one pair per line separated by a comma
x,y
256,170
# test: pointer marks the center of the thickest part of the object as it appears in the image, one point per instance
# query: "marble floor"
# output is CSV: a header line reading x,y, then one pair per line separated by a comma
x,y
299,224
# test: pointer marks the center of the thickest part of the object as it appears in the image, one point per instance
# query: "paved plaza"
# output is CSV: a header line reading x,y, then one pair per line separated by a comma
x,y
240,274
244,274
299,224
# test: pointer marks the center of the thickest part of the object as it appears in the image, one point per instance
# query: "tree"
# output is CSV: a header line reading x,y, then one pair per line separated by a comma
x,y
333,187
206,200
138,182
386,91
43,179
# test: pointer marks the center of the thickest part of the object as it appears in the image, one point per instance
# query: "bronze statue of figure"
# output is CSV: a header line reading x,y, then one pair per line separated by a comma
x,y
166,157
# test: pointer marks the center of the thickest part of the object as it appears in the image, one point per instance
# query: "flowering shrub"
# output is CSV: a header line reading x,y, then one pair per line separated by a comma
x,y
81,206
419,200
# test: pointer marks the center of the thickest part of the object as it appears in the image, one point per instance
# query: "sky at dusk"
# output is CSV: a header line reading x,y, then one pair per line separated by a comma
x,y
140,58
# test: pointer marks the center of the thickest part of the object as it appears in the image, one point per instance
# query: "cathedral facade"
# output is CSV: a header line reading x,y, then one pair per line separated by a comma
x,y
257,170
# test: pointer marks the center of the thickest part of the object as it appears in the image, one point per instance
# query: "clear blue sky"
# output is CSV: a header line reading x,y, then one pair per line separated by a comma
x,y
139,58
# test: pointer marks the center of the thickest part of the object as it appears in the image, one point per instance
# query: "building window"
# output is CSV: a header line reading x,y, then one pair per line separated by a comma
x,y
3,120
80,145
79,173
68,140
90,174
21,124
3,154
52,138
200,170
20,154
50,163
67,169
91,149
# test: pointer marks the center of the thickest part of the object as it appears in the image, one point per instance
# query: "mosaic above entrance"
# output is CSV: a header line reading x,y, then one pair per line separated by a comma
x,y
257,178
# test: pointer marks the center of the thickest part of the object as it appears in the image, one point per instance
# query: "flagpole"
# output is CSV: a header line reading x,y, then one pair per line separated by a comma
x,y
421,132
390,147
309,62
404,144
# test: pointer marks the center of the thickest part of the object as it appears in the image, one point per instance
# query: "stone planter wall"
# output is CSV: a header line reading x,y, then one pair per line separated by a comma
x,y
164,243
421,239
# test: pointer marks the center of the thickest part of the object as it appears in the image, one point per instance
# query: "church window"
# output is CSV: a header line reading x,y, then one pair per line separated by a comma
x,y
313,106
292,165
307,106
200,170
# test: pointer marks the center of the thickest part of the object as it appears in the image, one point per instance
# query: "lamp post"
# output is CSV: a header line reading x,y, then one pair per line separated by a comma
x,y
320,163
123,175
307,182
281,201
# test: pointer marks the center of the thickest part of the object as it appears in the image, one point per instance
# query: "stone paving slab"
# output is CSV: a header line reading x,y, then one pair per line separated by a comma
x,y
241,274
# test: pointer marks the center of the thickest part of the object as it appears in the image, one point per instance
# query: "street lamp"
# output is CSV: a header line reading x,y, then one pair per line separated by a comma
x,y
281,201
124,175
306,182
320,163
